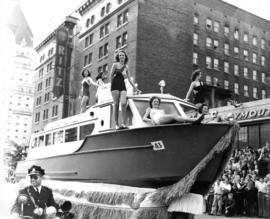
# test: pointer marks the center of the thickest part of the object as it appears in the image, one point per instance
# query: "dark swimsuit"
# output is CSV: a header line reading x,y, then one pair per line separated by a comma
x,y
198,96
86,91
118,80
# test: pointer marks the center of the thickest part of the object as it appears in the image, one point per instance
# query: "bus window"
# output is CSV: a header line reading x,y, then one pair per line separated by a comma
x,y
41,140
58,137
48,139
86,130
71,134
34,143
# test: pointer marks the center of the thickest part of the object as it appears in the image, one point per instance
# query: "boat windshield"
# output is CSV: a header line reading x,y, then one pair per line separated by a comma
x,y
168,107
188,110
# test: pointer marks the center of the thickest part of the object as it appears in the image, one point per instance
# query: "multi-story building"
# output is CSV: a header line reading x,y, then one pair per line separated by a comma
x,y
17,80
52,80
232,47
169,39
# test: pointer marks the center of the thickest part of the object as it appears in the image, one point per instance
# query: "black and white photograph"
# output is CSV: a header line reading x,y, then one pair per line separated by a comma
x,y
135,109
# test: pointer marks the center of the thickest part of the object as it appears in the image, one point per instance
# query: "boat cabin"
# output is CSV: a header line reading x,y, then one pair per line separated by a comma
x,y
66,136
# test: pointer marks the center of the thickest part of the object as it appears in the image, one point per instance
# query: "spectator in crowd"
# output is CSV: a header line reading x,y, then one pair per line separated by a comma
x,y
229,205
218,201
242,179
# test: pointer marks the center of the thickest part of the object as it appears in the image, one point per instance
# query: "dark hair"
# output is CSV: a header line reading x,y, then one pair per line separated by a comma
x,y
195,74
152,99
201,107
117,59
88,73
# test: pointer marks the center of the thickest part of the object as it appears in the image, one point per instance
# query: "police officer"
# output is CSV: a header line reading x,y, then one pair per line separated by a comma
x,y
33,200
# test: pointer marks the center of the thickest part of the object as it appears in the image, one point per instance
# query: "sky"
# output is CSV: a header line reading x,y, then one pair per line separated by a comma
x,y
44,16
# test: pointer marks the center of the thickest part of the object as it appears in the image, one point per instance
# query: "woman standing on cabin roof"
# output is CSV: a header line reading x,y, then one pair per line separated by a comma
x,y
118,73
196,87
85,92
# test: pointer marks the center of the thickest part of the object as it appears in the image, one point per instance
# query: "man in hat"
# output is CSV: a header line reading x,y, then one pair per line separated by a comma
x,y
33,200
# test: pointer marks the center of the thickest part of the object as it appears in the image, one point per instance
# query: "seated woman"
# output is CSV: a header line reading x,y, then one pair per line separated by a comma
x,y
158,117
208,118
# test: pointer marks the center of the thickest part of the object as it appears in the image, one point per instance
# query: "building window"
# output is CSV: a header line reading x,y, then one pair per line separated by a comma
x,y
104,30
195,58
37,117
236,70
236,88
254,58
102,11
47,97
226,67
39,88
255,92
40,73
108,7
236,34
263,43
87,23
216,64
38,101
245,37
55,111
226,84
121,40
103,69
254,75
246,91
216,44
208,80
208,42
122,18
208,62
236,50
195,38
209,24
226,30
216,26
263,60
263,77
88,59
45,114
226,49
103,51
88,40
215,82
100,53
263,94
48,82
245,71
92,19
195,19
245,53
254,41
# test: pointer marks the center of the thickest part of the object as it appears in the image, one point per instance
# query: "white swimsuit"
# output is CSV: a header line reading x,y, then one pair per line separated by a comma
x,y
156,114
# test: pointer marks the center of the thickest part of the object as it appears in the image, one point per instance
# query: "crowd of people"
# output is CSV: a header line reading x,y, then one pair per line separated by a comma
x,y
243,189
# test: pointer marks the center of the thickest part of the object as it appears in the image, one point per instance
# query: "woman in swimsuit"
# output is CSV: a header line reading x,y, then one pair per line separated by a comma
x,y
196,87
85,93
158,117
118,73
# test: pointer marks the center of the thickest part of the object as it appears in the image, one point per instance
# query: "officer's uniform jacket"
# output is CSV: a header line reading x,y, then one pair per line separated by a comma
x,y
41,200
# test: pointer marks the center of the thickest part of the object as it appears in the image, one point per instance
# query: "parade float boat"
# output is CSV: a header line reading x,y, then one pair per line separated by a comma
x,y
87,147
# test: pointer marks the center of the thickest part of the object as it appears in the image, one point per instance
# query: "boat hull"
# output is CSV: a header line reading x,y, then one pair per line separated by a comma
x,y
128,157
